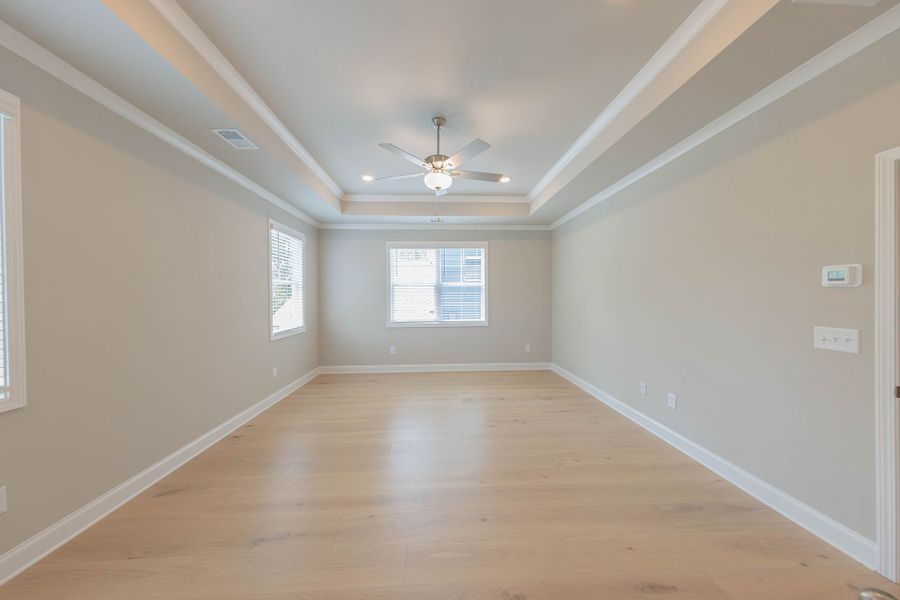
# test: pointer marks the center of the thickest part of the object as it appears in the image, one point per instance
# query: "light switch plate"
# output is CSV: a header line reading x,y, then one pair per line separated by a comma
x,y
672,401
836,339
2,499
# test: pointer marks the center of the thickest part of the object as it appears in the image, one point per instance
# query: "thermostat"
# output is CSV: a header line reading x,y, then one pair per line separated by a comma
x,y
842,275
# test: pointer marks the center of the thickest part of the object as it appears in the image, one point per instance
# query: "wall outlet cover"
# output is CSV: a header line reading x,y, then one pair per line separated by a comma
x,y
643,388
2,499
393,349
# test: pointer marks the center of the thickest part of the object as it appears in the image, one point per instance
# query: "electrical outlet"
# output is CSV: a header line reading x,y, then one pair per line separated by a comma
x,y
672,401
527,347
393,349
643,389
274,372
2,499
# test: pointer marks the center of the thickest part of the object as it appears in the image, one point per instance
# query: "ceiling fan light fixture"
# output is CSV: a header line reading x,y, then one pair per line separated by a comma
x,y
440,169
438,180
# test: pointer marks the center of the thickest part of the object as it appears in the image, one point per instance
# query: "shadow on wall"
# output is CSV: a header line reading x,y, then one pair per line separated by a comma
x,y
72,109
785,116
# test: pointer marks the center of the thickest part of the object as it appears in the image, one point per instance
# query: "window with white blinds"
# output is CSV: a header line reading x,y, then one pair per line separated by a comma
x,y
286,289
12,320
437,285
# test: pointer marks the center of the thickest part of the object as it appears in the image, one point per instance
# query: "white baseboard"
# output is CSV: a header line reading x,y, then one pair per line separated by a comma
x,y
436,367
838,535
34,549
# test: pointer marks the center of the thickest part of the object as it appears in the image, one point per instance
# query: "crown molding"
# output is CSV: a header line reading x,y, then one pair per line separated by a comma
x,y
28,49
861,3
191,32
710,28
432,226
859,40
389,198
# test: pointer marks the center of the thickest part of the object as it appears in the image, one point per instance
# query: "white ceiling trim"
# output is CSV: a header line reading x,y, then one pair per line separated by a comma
x,y
444,226
857,41
710,28
185,26
45,60
391,198
687,31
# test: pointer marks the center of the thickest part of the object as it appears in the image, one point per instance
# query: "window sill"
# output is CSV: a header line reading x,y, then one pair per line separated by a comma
x,y
8,405
286,334
440,325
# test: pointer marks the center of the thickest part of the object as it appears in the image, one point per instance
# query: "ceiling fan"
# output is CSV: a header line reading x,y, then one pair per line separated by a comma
x,y
439,169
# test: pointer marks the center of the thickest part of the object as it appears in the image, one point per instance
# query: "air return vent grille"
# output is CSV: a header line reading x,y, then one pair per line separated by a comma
x,y
236,139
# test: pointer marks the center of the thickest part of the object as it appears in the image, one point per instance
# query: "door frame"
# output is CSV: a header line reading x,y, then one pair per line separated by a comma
x,y
887,427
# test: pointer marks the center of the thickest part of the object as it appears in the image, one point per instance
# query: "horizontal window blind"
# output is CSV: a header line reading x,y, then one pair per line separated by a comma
x,y
4,338
441,285
286,254
12,317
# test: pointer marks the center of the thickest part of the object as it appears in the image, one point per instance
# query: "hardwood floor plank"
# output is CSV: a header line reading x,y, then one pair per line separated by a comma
x,y
574,558
837,583
539,524
629,586
443,486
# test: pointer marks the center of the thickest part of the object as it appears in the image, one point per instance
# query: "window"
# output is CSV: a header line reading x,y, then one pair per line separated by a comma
x,y
286,286
12,318
437,285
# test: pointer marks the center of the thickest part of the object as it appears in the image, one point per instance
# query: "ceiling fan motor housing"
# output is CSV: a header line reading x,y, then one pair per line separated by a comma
x,y
437,161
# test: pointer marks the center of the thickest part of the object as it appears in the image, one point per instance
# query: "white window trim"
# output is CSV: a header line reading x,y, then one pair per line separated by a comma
x,y
390,303
302,237
12,219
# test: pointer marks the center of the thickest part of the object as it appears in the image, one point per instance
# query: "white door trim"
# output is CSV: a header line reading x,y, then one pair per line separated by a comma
x,y
887,432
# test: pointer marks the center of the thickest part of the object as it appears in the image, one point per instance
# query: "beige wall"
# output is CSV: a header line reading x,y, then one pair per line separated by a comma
x,y
146,296
146,304
704,279
354,301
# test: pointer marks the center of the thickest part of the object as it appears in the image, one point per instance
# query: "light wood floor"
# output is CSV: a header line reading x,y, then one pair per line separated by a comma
x,y
456,486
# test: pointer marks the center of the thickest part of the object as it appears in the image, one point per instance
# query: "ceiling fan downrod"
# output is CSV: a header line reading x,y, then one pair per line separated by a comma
x,y
437,159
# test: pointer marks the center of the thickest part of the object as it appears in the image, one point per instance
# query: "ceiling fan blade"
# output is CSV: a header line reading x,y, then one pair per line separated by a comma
x,y
495,177
474,148
395,177
404,154
440,192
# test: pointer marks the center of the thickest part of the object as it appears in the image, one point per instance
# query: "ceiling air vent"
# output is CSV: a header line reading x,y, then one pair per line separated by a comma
x,y
236,139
